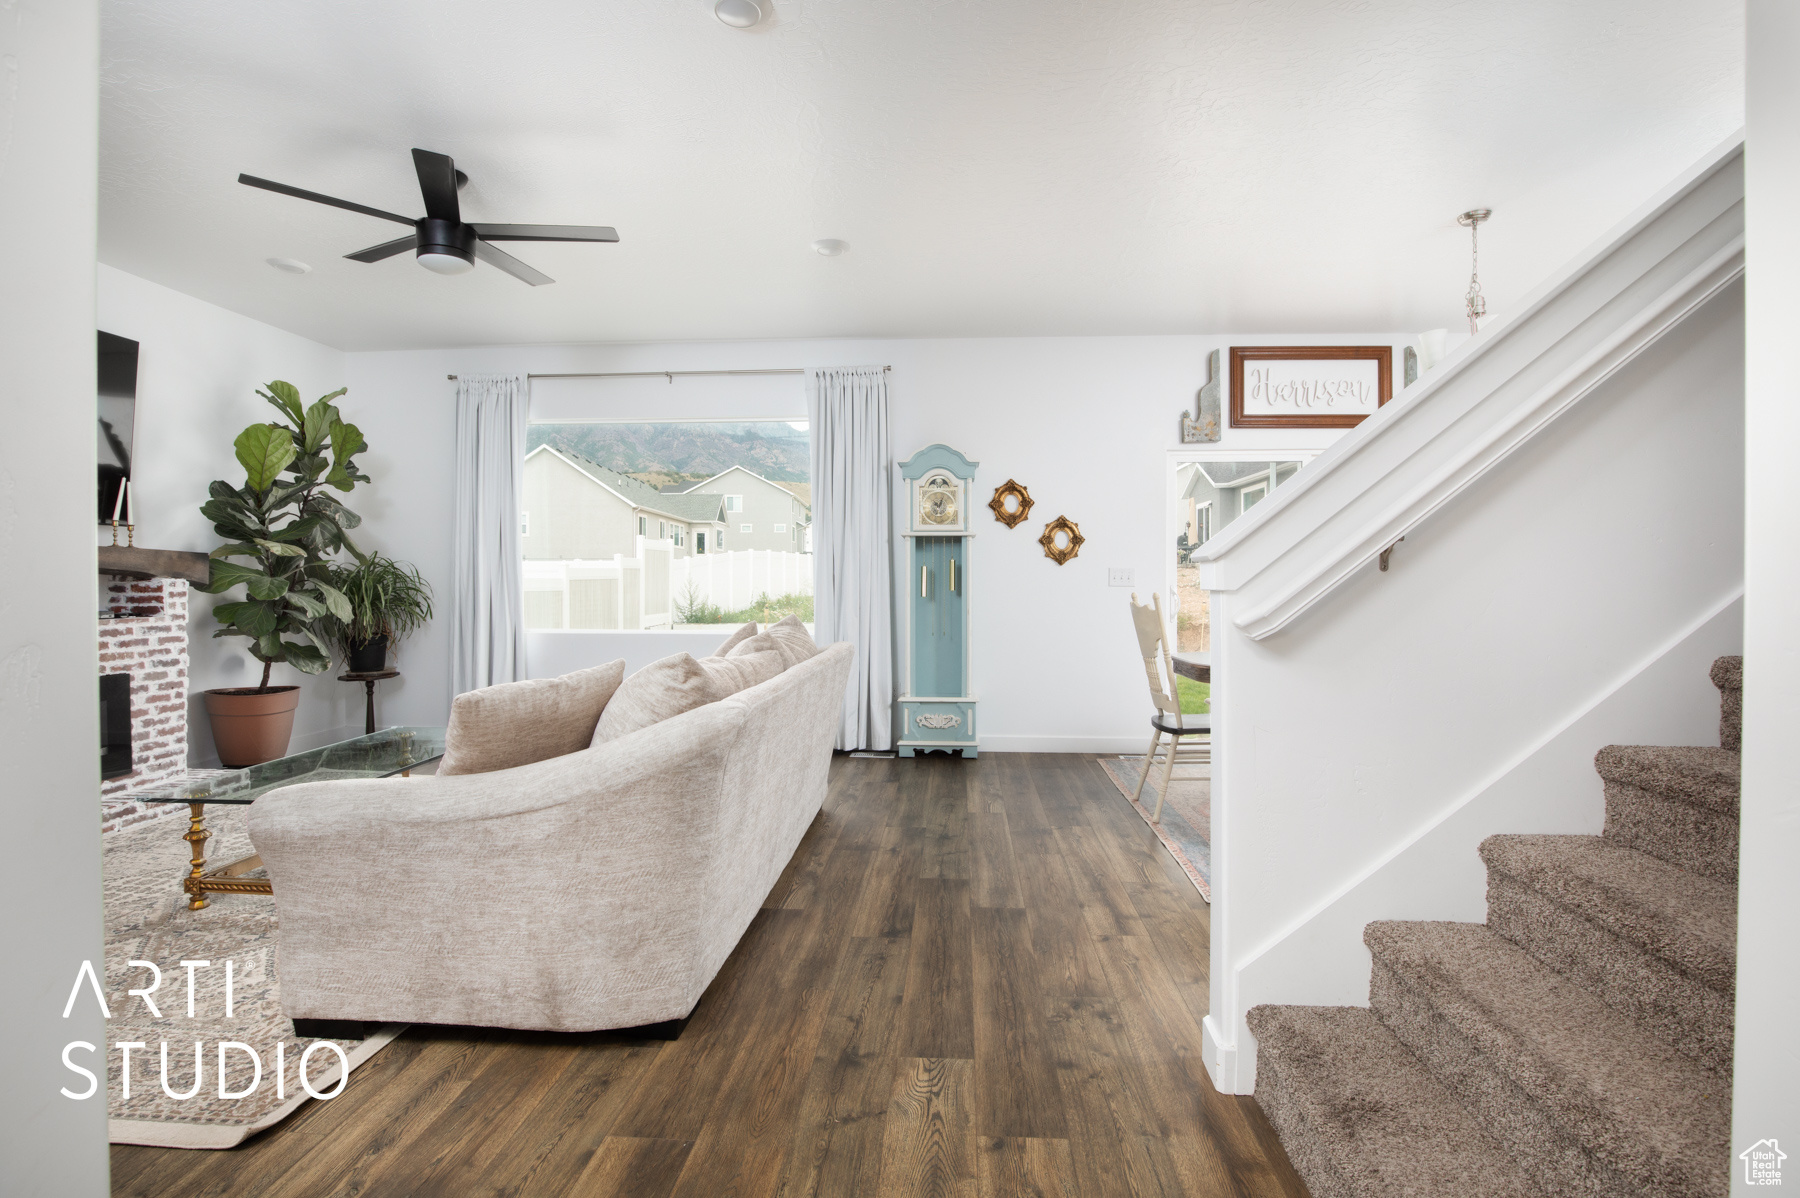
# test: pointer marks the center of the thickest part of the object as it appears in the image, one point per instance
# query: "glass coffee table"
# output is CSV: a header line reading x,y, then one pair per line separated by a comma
x,y
378,755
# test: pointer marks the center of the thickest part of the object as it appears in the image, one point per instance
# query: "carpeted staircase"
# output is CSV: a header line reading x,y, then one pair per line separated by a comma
x,y
1578,1043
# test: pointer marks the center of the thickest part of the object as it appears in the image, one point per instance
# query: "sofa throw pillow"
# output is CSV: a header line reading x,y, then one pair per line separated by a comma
x,y
762,642
660,691
794,643
736,638
741,671
517,723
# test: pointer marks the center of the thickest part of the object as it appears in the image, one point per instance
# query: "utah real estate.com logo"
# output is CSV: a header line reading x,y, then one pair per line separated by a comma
x,y
1762,1163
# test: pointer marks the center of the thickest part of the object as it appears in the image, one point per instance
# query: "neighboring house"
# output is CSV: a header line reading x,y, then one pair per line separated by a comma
x,y
758,513
575,509
1216,493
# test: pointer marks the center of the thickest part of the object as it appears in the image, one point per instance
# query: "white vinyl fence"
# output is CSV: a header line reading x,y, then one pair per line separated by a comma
x,y
641,591
736,579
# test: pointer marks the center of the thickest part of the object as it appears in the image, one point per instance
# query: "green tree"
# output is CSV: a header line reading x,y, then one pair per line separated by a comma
x,y
287,526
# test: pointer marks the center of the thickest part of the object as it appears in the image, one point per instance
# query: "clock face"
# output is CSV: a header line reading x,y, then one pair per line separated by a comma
x,y
937,502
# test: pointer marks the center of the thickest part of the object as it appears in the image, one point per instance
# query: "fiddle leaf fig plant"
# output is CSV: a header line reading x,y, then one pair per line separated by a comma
x,y
285,527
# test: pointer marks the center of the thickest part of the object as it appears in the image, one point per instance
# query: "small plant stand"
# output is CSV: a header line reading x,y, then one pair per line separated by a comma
x,y
368,678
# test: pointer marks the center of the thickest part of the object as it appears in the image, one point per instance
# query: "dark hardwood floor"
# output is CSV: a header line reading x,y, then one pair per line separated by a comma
x,y
976,978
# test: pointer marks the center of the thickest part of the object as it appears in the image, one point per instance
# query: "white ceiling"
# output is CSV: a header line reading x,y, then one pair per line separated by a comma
x,y
998,166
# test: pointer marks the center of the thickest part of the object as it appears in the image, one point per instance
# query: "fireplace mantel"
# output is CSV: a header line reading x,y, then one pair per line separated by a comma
x,y
129,561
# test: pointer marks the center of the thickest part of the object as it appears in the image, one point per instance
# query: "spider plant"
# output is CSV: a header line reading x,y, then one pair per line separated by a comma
x,y
389,600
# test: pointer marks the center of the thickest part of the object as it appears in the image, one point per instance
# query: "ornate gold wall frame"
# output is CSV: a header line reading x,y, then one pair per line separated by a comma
x,y
1061,554
1014,515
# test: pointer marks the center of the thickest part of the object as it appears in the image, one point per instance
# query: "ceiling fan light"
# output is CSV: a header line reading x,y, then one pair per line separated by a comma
x,y
440,262
739,14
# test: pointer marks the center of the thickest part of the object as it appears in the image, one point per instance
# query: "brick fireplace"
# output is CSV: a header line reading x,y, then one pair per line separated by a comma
x,y
147,639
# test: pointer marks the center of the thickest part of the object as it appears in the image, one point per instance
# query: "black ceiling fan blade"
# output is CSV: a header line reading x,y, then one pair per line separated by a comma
x,y
386,249
511,265
300,193
545,232
437,183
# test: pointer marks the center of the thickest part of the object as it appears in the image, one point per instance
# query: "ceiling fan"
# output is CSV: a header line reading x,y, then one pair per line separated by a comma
x,y
441,239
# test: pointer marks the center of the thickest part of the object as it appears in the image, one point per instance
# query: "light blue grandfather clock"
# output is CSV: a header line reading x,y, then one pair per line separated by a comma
x,y
936,709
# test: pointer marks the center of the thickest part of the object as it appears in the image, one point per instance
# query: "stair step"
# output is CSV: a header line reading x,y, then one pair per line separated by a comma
x,y
1589,1100
1677,803
1361,1118
1650,939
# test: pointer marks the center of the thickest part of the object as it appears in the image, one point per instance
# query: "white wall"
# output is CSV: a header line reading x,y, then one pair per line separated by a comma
x,y
1084,422
1765,1099
199,367
1464,691
49,723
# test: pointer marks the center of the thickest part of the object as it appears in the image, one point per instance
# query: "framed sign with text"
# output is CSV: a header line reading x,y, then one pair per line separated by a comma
x,y
1309,386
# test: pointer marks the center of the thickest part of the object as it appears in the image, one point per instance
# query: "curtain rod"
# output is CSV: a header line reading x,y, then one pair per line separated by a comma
x,y
671,375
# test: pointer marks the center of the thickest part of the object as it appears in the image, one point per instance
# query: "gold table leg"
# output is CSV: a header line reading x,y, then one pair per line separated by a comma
x,y
196,836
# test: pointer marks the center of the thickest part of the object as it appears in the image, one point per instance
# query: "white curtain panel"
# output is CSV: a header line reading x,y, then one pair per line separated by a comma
x,y
487,619
852,526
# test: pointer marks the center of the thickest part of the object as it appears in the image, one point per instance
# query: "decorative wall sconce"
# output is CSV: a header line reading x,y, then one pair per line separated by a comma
x,y
1071,543
1013,513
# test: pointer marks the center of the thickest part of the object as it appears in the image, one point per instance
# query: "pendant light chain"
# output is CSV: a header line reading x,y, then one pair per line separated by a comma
x,y
1475,301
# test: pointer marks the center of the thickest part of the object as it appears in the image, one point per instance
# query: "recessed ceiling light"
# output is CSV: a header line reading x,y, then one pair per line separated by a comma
x,y
831,247
739,14
292,266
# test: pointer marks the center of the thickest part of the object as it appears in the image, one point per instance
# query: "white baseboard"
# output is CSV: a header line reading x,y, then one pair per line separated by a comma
x,y
1064,744
1220,1059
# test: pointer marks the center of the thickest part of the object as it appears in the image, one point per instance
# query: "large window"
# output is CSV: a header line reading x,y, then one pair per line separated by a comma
x,y
628,523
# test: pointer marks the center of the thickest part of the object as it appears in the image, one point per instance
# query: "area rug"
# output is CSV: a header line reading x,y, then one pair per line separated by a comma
x,y
1186,828
147,920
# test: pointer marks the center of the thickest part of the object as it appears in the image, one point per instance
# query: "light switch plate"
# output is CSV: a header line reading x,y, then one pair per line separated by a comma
x,y
1121,577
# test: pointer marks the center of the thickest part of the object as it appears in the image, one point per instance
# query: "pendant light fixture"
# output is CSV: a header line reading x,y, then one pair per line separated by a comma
x,y
1475,301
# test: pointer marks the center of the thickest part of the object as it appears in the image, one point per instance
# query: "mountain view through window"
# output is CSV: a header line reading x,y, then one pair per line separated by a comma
x,y
643,526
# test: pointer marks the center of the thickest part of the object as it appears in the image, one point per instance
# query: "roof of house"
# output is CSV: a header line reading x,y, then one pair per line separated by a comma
x,y
642,494
800,491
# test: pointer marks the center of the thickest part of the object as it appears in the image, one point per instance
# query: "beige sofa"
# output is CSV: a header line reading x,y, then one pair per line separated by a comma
x,y
600,889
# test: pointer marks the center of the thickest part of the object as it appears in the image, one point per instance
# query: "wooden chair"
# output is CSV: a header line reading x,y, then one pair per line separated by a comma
x,y
1190,736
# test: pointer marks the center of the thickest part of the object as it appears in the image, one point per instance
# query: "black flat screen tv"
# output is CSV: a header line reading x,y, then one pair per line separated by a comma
x,y
117,414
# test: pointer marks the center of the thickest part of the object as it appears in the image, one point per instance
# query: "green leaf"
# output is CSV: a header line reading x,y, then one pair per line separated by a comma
x,y
305,604
264,450
220,489
308,659
255,619
224,575
280,549
336,602
321,418
286,398
334,511
283,494
237,549
308,466
229,511
268,648
346,441
227,574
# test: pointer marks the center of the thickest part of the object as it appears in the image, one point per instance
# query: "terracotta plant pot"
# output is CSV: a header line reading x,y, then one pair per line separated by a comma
x,y
251,725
